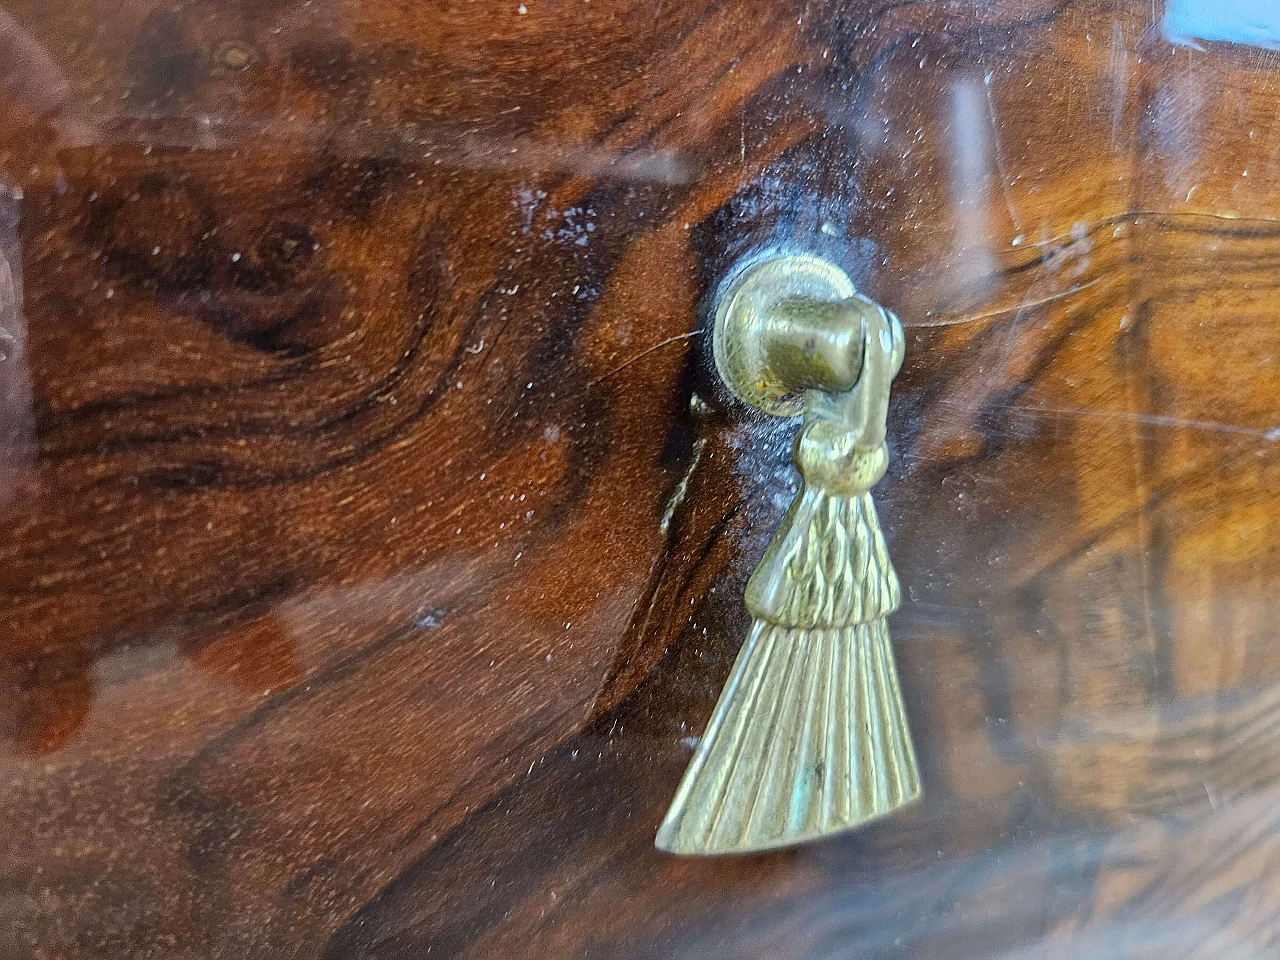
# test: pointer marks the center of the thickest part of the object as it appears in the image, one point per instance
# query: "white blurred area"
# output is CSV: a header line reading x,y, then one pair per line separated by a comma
x,y
16,450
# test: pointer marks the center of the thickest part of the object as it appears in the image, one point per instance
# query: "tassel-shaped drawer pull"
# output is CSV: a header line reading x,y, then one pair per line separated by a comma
x,y
809,736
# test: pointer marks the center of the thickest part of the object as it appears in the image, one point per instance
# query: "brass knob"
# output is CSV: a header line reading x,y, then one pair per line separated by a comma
x,y
809,736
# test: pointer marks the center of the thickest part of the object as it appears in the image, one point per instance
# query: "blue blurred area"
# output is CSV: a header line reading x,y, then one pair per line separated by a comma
x,y
1254,22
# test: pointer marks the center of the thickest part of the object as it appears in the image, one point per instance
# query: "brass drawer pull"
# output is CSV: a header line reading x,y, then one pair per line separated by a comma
x,y
809,735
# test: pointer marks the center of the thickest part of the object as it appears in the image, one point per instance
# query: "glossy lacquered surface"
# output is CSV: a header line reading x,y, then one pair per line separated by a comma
x,y
375,533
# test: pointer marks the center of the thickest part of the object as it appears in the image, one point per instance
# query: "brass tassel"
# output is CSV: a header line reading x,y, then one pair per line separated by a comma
x,y
810,735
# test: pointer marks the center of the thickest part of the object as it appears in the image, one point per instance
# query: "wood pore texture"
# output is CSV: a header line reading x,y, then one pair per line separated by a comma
x,y
374,534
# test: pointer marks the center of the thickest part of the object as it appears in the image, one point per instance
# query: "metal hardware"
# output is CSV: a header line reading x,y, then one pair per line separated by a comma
x,y
809,736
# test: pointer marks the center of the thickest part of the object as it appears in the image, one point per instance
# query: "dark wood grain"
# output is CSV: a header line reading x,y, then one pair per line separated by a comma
x,y
375,532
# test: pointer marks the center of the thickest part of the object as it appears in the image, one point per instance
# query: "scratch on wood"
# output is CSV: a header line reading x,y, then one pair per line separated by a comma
x,y
644,353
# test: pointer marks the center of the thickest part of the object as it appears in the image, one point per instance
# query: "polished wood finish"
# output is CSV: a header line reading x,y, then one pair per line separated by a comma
x,y
375,533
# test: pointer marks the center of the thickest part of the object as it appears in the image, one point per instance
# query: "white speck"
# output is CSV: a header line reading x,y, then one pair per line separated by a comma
x,y
110,293
155,251
522,9
235,258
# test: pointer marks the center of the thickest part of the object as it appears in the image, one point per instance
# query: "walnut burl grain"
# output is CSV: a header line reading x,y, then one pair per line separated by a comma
x,y
375,532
